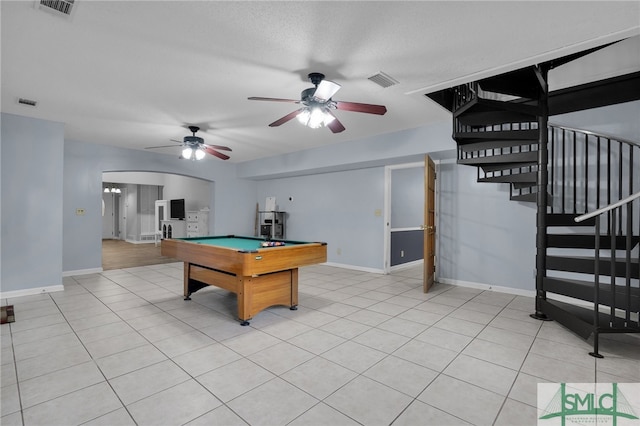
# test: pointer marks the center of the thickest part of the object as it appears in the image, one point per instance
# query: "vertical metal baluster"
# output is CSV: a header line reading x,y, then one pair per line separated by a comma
x,y
575,175
586,173
564,143
552,166
620,196
612,310
627,316
596,292
598,173
608,171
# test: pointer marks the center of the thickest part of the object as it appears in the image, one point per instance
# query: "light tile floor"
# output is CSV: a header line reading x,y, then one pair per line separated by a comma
x,y
123,348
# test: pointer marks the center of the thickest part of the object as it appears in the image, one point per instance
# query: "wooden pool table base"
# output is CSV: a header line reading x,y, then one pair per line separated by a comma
x,y
255,293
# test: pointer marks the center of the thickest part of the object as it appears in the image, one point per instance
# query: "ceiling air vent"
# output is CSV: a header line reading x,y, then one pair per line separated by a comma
x,y
27,102
382,79
63,7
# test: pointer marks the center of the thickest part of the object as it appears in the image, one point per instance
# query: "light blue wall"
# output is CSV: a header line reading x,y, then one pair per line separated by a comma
x,y
407,197
483,238
338,208
31,154
401,147
622,120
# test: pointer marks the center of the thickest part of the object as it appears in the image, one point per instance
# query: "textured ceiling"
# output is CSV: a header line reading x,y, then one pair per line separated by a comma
x,y
135,73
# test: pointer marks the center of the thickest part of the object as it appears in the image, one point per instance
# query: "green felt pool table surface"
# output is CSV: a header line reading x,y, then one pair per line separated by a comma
x,y
236,242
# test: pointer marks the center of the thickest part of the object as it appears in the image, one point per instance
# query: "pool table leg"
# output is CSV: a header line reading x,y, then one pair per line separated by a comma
x,y
187,293
294,289
243,292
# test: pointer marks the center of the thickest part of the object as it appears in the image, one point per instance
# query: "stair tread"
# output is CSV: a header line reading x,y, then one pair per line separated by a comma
x,y
590,284
516,177
517,157
585,290
587,265
584,316
634,261
494,144
568,219
523,135
588,241
522,82
483,112
532,197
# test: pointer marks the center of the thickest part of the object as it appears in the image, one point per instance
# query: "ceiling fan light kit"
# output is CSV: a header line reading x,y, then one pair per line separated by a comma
x,y
318,105
315,117
193,153
194,148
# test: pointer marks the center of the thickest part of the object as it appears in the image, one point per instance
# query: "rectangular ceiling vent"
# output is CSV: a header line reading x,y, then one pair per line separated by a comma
x,y
59,7
383,80
27,102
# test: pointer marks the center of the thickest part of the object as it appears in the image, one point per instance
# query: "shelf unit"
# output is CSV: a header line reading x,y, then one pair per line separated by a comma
x,y
198,223
174,228
272,224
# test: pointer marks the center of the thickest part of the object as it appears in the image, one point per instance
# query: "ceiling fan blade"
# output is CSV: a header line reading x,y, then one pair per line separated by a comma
x,y
356,107
325,90
293,101
162,146
220,147
215,153
335,126
286,118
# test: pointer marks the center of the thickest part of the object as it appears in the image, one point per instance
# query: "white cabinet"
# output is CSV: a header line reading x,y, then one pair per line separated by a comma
x,y
198,223
174,228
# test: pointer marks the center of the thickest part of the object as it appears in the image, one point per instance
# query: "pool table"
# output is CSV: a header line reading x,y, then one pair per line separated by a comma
x,y
260,276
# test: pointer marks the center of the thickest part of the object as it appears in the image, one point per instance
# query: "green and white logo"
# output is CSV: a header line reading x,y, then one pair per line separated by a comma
x,y
588,404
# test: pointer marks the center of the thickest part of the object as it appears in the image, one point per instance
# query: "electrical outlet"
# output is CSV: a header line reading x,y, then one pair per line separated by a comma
x,y
377,212
401,253
79,212
339,251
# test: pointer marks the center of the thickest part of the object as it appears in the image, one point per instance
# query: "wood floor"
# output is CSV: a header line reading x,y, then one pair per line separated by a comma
x,y
118,254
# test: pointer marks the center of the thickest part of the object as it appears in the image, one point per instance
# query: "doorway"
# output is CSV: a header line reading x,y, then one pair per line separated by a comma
x,y
131,215
110,215
404,216
410,220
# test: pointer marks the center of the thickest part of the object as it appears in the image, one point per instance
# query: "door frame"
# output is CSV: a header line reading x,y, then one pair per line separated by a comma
x,y
429,226
387,209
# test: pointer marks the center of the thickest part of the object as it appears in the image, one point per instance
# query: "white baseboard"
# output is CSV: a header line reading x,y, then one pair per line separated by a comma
x,y
30,291
407,265
480,286
82,272
140,242
354,268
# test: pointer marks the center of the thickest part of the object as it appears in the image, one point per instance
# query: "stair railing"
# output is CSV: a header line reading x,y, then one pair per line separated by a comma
x,y
615,322
588,170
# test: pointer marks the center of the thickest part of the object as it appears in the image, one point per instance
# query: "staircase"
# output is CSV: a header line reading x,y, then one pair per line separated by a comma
x,y
587,272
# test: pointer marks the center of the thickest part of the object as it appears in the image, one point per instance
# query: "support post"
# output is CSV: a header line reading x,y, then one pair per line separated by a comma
x,y
541,196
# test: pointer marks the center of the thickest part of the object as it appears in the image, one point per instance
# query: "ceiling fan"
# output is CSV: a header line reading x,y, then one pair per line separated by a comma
x,y
318,105
194,147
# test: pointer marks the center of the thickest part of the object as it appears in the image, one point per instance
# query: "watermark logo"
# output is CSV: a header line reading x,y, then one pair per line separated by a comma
x,y
611,404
